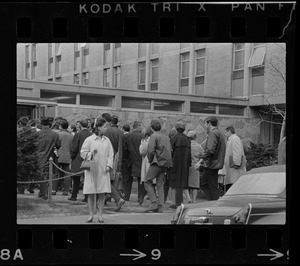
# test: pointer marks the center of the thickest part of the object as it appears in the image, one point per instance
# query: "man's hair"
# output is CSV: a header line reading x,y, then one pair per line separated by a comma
x,y
84,122
107,117
46,121
136,124
23,121
114,119
155,125
213,120
126,127
64,124
180,126
231,129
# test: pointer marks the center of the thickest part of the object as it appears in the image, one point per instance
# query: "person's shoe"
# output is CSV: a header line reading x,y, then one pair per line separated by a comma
x,y
72,199
65,193
44,197
120,204
53,192
30,190
152,208
89,220
173,206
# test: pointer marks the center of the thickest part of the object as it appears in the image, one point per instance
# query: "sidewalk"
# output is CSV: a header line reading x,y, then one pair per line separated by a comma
x,y
63,211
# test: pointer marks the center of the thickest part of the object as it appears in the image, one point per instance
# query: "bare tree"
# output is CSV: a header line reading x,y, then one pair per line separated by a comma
x,y
277,83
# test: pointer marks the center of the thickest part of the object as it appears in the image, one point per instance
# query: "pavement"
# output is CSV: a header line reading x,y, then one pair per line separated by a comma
x,y
131,212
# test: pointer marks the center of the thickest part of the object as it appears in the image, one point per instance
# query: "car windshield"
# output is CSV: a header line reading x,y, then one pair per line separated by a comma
x,y
260,183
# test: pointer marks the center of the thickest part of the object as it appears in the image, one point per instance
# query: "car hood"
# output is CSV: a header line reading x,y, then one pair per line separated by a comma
x,y
225,206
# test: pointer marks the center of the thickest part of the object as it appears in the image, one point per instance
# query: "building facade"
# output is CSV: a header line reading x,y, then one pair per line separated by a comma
x,y
240,83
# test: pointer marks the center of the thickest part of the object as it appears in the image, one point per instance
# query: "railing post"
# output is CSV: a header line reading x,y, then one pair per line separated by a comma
x,y
50,179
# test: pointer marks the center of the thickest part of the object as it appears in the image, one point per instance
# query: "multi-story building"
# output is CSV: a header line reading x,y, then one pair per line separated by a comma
x,y
240,83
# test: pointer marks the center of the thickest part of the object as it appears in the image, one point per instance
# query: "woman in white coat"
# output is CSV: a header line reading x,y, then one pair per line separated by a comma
x,y
235,159
97,180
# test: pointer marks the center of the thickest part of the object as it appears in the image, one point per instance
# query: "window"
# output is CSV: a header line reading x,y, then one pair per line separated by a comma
x,y
154,75
154,48
58,64
107,54
258,55
64,97
76,79
76,60
106,77
256,63
142,75
206,108
165,105
200,71
50,60
85,78
136,103
238,70
27,62
34,52
58,79
117,54
142,50
117,77
85,56
239,52
184,72
231,110
97,100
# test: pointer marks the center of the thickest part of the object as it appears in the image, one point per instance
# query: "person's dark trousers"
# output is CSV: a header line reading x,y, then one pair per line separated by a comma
x,y
178,196
210,184
76,184
115,193
127,184
44,185
157,172
141,190
65,167
166,187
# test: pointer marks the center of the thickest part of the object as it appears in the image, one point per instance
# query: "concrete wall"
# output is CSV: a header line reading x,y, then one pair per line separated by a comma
x,y
218,70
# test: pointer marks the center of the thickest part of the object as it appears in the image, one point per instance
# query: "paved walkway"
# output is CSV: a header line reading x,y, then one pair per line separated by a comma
x,y
130,213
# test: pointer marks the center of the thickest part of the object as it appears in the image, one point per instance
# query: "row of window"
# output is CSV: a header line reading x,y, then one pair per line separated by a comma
x,y
112,73
143,103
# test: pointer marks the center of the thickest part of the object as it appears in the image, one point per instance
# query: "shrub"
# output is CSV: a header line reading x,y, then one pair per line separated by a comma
x,y
260,154
27,156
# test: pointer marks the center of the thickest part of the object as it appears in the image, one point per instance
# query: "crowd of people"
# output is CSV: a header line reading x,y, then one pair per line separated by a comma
x,y
175,165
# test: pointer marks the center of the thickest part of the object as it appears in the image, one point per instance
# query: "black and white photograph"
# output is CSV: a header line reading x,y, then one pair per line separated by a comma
x,y
160,133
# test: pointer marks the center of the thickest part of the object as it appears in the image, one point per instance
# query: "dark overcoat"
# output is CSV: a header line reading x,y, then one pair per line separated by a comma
x,y
77,142
131,149
181,156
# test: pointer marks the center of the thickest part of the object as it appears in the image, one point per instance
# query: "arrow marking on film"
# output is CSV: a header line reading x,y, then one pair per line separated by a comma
x,y
276,254
138,256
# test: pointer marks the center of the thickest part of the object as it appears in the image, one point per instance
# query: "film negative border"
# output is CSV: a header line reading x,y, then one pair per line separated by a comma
x,y
140,22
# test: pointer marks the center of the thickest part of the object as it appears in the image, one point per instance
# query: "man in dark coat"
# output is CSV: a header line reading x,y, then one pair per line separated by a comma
x,y
77,142
212,159
134,161
114,138
48,140
181,156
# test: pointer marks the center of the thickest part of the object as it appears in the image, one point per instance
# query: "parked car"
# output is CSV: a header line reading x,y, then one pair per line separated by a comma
x,y
258,197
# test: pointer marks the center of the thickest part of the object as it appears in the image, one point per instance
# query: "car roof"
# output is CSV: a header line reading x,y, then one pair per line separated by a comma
x,y
268,169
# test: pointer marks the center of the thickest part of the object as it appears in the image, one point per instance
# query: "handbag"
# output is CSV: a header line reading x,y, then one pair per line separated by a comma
x,y
86,164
